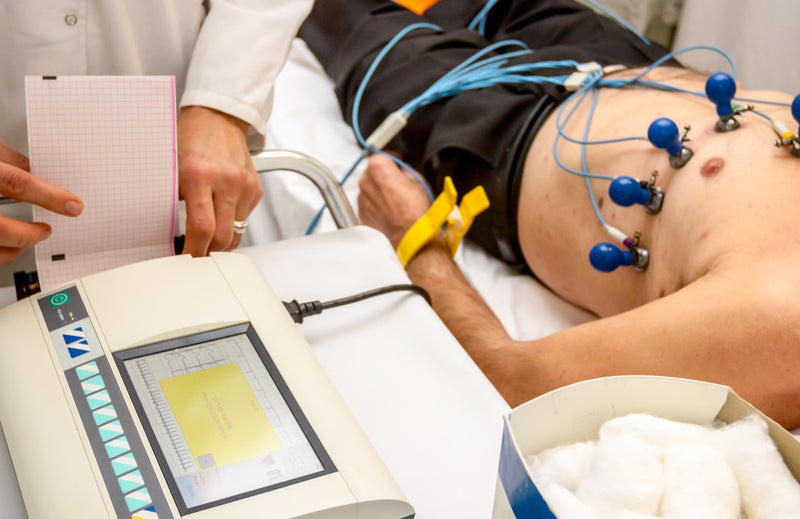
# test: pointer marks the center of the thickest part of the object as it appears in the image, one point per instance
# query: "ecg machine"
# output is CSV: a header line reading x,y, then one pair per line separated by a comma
x,y
179,387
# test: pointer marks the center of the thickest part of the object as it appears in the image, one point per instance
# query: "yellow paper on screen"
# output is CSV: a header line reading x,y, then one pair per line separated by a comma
x,y
220,416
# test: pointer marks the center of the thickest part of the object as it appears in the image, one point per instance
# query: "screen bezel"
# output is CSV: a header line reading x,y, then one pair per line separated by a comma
x,y
198,338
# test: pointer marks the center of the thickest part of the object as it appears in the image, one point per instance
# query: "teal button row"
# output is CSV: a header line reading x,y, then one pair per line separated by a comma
x,y
123,462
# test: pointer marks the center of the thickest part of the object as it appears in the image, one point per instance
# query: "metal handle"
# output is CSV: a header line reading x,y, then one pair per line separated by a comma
x,y
318,173
314,170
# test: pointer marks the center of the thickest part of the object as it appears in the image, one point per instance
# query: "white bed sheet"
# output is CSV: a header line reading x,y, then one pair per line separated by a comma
x,y
306,118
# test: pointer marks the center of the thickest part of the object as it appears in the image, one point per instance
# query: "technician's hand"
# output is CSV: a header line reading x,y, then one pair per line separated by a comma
x,y
391,199
16,182
216,178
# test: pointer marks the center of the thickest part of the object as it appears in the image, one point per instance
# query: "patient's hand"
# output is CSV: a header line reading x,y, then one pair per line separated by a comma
x,y
216,178
391,199
16,182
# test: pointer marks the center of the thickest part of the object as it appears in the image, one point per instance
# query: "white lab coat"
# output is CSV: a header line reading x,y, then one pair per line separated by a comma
x,y
227,60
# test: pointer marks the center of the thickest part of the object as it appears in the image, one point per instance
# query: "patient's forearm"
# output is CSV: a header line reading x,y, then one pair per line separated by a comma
x,y
715,331
462,309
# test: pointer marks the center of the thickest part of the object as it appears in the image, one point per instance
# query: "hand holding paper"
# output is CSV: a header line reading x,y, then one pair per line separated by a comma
x,y
17,183
110,140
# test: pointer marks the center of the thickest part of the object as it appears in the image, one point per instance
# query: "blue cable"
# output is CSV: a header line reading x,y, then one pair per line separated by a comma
x,y
763,102
581,95
357,102
561,133
480,19
479,71
363,86
762,114
584,161
468,75
314,221
638,81
683,50
583,92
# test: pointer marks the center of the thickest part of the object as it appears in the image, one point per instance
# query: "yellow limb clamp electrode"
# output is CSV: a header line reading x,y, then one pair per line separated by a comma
x,y
443,212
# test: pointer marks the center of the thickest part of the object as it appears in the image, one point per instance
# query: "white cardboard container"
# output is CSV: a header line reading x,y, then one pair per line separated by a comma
x,y
575,413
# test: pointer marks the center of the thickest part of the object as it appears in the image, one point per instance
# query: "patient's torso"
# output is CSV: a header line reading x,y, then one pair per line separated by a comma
x,y
734,202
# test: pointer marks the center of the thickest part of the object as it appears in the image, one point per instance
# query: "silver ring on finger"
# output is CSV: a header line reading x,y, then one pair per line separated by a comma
x,y
239,226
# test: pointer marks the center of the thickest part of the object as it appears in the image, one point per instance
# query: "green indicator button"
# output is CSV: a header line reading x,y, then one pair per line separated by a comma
x,y
59,299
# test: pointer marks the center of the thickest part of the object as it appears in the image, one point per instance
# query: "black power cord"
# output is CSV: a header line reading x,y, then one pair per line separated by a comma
x,y
300,311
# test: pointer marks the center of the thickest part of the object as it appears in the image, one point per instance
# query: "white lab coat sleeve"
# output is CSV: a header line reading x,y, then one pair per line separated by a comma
x,y
241,48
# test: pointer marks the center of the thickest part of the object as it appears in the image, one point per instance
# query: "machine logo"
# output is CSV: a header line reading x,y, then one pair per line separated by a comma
x,y
76,342
59,299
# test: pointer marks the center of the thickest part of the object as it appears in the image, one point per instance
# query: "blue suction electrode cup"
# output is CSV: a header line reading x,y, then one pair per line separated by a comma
x,y
720,90
663,133
794,141
606,257
626,191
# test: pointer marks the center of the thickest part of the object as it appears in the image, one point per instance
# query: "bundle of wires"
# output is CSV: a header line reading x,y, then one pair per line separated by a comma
x,y
484,69
491,66
594,82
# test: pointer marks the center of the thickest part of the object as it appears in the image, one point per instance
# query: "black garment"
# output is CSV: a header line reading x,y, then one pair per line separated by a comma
x,y
478,136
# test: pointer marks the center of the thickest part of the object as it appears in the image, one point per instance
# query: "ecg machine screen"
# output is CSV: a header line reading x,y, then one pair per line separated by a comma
x,y
223,420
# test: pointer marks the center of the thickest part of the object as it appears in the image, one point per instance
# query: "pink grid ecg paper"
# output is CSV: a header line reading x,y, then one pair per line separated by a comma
x,y
112,142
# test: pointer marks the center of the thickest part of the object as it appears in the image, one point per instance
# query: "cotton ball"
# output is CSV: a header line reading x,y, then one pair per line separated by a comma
x,y
565,465
564,504
625,474
699,484
767,487
627,514
658,432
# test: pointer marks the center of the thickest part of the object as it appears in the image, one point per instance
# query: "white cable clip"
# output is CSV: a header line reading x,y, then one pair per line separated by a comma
x,y
783,132
388,129
589,67
616,233
610,69
578,78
